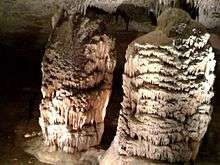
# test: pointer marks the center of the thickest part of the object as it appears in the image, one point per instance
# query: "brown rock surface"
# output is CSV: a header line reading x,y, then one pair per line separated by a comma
x,y
77,75
27,23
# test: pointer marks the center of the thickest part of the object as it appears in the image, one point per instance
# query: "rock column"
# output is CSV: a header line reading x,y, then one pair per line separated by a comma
x,y
77,73
168,86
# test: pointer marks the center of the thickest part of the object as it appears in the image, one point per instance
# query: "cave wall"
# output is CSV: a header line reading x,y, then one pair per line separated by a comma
x,y
211,18
26,23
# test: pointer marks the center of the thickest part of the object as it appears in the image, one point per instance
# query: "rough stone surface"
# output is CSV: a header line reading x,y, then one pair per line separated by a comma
x,y
168,86
29,21
77,76
112,157
35,147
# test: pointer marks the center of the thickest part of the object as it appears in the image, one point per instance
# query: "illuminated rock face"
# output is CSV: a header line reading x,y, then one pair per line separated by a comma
x,y
76,85
168,86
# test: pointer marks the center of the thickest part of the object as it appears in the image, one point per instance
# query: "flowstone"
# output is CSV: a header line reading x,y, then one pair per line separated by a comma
x,y
168,86
76,84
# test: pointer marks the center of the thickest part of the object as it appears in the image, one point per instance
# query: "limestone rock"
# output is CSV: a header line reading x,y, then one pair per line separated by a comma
x,y
168,86
29,20
76,85
112,157
34,146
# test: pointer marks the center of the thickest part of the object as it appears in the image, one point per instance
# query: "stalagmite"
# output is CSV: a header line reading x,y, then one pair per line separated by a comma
x,y
168,86
76,84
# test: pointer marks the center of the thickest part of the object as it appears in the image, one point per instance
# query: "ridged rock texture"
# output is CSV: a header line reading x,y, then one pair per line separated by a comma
x,y
76,85
168,86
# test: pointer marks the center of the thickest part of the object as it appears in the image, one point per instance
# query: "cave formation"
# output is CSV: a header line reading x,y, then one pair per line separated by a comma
x,y
76,84
118,82
168,86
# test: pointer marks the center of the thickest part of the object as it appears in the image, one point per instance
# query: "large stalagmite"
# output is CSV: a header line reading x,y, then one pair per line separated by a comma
x,y
168,86
76,85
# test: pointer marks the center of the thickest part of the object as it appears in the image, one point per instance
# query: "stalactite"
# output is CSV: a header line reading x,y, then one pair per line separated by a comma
x,y
155,6
77,75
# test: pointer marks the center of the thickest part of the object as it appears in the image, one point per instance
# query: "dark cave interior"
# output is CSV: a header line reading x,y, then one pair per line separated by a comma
x,y
20,95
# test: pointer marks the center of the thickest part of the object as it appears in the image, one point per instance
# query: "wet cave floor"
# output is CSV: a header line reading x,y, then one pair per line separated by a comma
x,y
20,96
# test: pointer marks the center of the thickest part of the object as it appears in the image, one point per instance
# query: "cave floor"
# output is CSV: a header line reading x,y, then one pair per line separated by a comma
x,y
15,122
20,97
